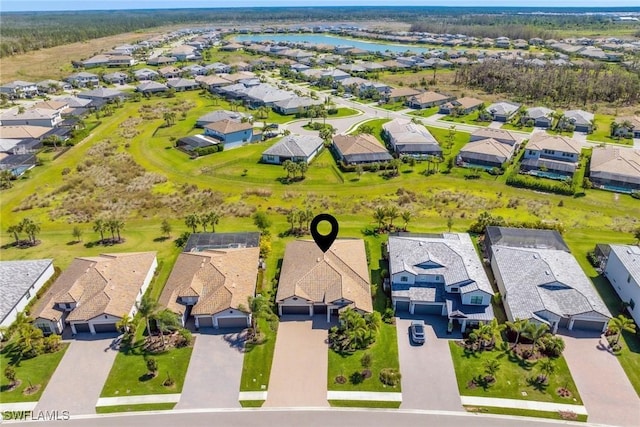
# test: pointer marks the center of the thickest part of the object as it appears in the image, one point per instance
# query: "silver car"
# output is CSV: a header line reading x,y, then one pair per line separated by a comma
x,y
416,332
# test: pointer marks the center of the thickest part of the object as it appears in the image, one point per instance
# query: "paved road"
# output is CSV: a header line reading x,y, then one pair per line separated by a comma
x,y
605,389
300,363
428,377
308,418
215,369
76,384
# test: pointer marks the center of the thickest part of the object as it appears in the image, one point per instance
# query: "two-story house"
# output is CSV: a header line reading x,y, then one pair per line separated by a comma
x,y
83,79
230,132
553,153
623,271
19,89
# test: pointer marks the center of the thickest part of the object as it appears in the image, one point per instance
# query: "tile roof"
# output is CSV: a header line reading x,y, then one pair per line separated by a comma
x,y
104,284
16,277
545,279
619,163
404,131
341,272
51,105
543,141
362,144
21,132
220,279
629,256
501,135
295,146
227,126
579,117
466,102
489,147
429,96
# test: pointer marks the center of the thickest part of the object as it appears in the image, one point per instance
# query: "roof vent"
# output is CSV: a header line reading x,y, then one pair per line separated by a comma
x,y
318,259
535,256
546,272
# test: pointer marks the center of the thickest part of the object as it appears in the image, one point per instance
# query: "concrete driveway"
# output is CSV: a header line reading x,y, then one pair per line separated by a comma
x,y
300,363
605,389
215,369
78,381
428,377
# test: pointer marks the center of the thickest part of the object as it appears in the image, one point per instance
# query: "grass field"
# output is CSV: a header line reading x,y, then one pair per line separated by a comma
x,y
256,369
135,408
364,404
470,119
521,413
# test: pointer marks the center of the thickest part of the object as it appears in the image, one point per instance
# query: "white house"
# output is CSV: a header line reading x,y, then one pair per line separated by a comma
x,y
623,271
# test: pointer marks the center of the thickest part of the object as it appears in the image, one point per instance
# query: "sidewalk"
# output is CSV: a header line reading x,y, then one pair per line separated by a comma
x,y
523,404
364,395
17,406
138,400
252,395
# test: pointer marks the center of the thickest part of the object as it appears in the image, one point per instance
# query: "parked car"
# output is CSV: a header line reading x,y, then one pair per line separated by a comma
x,y
416,332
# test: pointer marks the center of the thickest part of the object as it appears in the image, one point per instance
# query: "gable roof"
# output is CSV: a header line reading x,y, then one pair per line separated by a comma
x,y
466,102
619,162
629,256
404,131
503,108
361,147
501,135
22,132
539,112
103,93
490,148
221,279
579,117
104,284
151,85
297,102
543,141
16,278
227,126
340,273
180,82
429,96
295,146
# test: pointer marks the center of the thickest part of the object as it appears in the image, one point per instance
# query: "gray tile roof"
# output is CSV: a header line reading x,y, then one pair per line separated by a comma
x,y
579,117
629,256
503,108
295,146
16,277
538,280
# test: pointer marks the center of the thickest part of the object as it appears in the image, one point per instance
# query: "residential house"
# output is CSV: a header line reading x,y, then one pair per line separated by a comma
x,y
556,154
146,74
581,120
401,94
315,282
83,79
195,70
52,86
102,94
485,153
410,139
500,135
170,72
231,133
31,117
542,282
503,42
615,168
94,293
180,84
94,61
428,99
295,105
628,127
58,105
218,68
296,148
265,95
19,89
461,106
218,115
185,53
118,77
151,87
623,271
162,60
439,274
212,82
18,164
20,281
503,111
359,149
23,132
213,286
190,144
120,61
539,116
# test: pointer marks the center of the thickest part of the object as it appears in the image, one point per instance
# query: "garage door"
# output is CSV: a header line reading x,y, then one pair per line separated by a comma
x,y
427,309
320,309
105,327
82,327
295,309
232,322
588,325
205,322
402,306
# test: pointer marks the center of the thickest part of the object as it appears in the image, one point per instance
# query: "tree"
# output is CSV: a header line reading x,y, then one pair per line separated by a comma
x,y
147,307
303,167
152,365
15,230
99,227
204,221
292,218
491,367
31,228
495,329
169,118
380,214
166,320
165,228
77,233
262,221
258,307
10,374
125,323
518,326
6,176
619,324
115,225
406,217
636,234
30,341
192,221
534,332
392,213
547,367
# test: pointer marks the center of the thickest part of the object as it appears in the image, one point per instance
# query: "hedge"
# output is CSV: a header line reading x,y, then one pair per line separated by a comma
x,y
520,181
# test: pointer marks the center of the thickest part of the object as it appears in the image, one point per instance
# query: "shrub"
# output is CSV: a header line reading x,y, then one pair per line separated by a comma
x,y
388,315
390,377
356,378
182,240
185,339
366,360
203,151
519,181
332,111
51,343
552,346
10,374
152,364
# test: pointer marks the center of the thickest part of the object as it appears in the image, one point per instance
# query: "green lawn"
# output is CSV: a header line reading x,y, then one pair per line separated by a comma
x,y
256,368
521,412
469,119
509,126
135,408
364,404
128,371
602,131
427,112
251,403
511,378
37,371
394,106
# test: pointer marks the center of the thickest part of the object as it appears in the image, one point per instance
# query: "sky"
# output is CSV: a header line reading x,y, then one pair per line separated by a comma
x,y
49,5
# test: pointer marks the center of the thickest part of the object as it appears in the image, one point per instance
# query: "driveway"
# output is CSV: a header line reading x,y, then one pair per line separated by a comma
x,y
77,383
428,377
605,389
300,363
213,377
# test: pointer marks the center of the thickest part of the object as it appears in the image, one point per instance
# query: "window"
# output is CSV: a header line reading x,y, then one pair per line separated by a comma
x,y
632,304
629,278
455,290
404,279
476,300
44,327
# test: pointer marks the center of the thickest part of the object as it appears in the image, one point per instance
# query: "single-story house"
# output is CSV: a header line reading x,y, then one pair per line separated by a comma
x,y
218,115
582,120
212,82
544,284
503,111
541,116
485,152
295,105
213,286
266,95
95,61
410,139
181,84
297,148
19,89
500,135
615,168
359,149
24,132
170,72
623,271
20,281
102,94
51,86
312,282
185,53
195,70
628,126
116,78
557,154
31,117
162,60
231,133
428,99
151,87
146,74
191,143
401,94
441,275
464,105
94,293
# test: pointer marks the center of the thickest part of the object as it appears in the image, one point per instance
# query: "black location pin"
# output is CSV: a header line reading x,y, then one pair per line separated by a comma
x,y
324,242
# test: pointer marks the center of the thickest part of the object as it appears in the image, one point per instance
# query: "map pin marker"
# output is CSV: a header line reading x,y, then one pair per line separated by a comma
x,y
324,242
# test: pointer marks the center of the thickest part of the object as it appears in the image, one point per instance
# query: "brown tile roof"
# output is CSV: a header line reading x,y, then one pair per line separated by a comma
x,y
169,70
543,141
488,146
400,92
221,279
616,160
51,105
467,102
429,96
229,126
212,80
105,284
358,144
23,132
633,120
341,272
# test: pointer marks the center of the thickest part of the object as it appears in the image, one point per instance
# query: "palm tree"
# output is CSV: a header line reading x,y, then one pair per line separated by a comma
x,y
534,332
380,214
213,218
518,326
491,367
392,213
166,320
118,225
100,227
621,323
15,230
258,306
146,307
204,221
292,217
192,221
495,329
303,167
406,217
124,323
547,367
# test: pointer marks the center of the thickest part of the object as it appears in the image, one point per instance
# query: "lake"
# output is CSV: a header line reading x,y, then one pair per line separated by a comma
x,y
330,40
